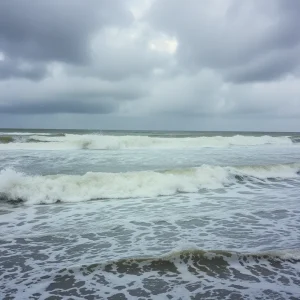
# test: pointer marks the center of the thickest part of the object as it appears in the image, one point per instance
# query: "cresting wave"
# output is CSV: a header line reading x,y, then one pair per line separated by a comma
x,y
6,139
111,142
22,133
15,186
208,258
189,274
20,138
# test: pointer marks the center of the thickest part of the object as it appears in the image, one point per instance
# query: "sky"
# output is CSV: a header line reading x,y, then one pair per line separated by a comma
x,y
150,64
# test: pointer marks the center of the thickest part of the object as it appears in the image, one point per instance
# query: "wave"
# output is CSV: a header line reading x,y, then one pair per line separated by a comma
x,y
25,137
5,139
199,255
111,142
25,133
214,263
16,186
188,274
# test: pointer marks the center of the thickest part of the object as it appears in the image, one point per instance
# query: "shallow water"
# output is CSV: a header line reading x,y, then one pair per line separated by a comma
x,y
124,215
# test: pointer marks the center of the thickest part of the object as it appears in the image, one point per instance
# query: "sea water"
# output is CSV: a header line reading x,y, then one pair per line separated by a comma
x,y
149,215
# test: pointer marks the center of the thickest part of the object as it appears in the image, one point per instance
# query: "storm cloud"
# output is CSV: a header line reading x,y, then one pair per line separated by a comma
x,y
253,40
201,63
55,30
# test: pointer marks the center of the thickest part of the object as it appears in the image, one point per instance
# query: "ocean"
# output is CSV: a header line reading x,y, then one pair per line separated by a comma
x,y
149,215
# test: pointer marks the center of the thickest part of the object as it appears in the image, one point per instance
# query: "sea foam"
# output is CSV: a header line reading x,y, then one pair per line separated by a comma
x,y
111,142
96,185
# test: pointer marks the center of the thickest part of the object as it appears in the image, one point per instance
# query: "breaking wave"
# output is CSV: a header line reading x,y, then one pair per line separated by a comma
x,y
111,142
5,139
16,186
188,274
26,133
19,138
208,258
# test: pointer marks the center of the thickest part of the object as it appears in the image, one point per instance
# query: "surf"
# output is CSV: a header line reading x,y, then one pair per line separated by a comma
x,y
35,189
201,257
113,142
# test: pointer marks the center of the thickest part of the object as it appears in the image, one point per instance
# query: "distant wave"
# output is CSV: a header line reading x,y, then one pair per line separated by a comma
x,y
20,138
111,142
24,133
15,186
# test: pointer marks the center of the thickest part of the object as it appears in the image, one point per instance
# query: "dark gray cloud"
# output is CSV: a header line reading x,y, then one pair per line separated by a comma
x,y
286,33
58,106
118,58
67,95
13,69
45,31
232,34
266,68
